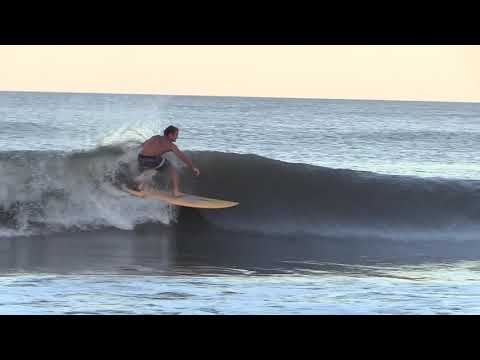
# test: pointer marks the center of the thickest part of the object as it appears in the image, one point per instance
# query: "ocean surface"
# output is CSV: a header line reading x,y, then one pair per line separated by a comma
x,y
346,207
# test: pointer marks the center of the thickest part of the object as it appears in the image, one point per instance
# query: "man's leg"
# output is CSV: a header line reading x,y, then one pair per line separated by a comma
x,y
174,179
144,178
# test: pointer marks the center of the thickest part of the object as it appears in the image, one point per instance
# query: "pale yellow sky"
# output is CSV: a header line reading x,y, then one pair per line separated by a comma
x,y
421,72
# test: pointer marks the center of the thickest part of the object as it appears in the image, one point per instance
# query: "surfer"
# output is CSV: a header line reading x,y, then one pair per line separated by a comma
x,y
151,160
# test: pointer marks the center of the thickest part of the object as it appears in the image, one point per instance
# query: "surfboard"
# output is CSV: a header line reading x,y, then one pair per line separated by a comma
x,y
186,200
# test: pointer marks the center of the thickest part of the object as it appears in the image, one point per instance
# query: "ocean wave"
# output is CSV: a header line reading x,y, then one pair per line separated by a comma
x,y
281,197
57,191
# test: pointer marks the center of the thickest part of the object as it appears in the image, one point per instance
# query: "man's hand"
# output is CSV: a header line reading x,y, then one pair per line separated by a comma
x,y
196,172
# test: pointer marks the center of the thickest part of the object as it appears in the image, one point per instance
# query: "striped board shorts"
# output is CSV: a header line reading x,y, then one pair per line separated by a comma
x,y
158,163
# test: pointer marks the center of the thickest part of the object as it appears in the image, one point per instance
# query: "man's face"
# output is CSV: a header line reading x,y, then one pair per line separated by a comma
x,y
173,136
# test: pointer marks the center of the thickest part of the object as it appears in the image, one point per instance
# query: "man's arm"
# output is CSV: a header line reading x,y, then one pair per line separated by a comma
x,y
185,159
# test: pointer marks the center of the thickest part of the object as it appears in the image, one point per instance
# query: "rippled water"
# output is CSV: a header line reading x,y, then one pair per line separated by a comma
x,y
427,289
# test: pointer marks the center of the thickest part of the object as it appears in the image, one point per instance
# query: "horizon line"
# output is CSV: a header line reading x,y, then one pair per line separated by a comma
x,y
230,96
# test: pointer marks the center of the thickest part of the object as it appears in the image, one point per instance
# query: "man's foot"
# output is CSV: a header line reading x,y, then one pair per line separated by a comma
x,y
177,193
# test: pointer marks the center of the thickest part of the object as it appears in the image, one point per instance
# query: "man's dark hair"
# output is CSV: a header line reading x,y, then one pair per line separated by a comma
x,y
170,130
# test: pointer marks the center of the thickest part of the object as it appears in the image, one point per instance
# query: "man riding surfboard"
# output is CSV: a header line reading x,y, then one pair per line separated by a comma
x,y
151,160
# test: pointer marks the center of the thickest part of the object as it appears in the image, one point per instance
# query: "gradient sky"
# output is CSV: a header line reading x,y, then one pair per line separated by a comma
x,y
420,72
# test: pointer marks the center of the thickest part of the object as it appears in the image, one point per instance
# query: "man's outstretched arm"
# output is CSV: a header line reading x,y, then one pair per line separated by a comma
x,y
185,159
